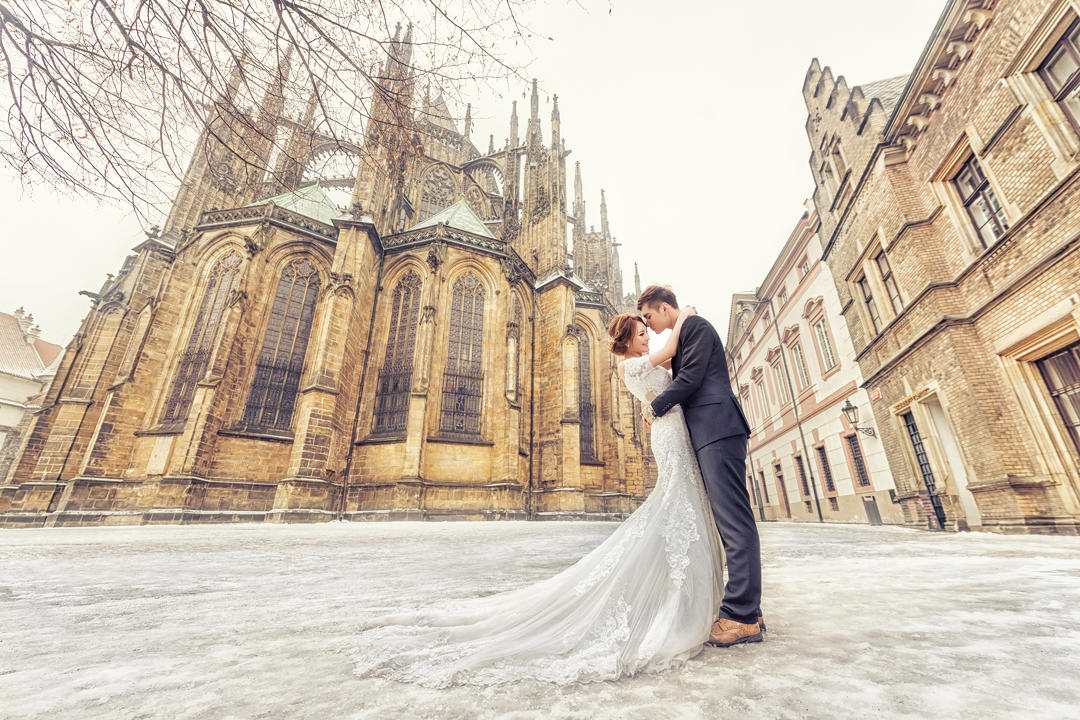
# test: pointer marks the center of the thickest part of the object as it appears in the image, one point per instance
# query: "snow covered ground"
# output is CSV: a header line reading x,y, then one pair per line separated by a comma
x,y
254,621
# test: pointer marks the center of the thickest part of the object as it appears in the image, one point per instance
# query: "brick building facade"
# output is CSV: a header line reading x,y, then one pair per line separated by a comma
x,y
430,352
793,366
950,216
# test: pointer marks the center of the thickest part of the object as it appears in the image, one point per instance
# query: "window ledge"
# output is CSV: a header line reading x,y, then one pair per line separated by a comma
x,y
162,429
459,440
381,440
258,434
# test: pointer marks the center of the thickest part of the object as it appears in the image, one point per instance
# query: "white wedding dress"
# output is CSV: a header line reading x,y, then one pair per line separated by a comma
x,y
642,601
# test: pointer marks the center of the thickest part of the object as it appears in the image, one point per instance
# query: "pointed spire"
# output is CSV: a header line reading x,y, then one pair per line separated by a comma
x,y
603,216
307,121
534,112
577,183
408,33
555,108
397,31
491,144
513,140
637,281
468,120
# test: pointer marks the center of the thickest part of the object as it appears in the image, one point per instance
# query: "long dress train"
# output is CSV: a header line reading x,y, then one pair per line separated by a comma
x,y
641,601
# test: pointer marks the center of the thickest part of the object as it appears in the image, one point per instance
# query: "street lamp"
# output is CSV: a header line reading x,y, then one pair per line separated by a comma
x,y
852,413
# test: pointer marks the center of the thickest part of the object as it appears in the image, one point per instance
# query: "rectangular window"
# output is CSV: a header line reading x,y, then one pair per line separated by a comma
x,y
826,471
986,213
862,478
827,354
783,295
804,484
834,504
890,282
748,408
1061,371
804,267
778,376
800,365
1061,73
762,399
868,300
809,506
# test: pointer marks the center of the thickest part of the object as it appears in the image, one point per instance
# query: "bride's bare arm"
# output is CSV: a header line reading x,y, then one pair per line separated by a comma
x,y
667,352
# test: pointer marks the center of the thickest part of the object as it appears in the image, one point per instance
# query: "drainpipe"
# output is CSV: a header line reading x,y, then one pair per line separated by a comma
x,y
529,512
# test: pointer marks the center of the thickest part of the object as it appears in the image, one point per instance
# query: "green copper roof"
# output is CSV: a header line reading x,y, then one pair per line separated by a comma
x,y
310,201
459,216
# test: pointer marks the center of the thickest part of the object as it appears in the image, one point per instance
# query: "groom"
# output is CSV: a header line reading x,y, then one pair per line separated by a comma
x,y
718,432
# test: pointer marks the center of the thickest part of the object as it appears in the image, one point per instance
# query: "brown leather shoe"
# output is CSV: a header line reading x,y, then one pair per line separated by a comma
x,y
726,633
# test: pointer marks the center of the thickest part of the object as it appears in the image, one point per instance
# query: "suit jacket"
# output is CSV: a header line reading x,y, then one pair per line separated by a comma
x,y
702,387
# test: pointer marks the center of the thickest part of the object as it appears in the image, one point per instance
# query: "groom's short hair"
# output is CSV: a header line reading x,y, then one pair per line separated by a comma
x,y
656,294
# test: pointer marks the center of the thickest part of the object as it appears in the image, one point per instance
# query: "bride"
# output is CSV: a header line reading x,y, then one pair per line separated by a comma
x,y
641,601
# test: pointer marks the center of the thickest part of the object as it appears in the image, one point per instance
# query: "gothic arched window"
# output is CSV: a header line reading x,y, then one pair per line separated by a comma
x,y
194,360
281,359
586,410
463,381
395,377
438,192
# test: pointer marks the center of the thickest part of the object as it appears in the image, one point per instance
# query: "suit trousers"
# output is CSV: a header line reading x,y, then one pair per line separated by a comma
x,y
723,467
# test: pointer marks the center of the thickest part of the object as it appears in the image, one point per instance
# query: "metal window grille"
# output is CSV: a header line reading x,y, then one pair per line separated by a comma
x,y
826,471
804,485
862,477
925,469
463,380
395,377
196,355
281,360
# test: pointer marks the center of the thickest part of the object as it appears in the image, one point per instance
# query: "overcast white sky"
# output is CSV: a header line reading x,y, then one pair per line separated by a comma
x,y
691,117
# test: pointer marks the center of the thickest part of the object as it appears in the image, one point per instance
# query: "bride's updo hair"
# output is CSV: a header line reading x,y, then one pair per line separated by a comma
x,y
622,330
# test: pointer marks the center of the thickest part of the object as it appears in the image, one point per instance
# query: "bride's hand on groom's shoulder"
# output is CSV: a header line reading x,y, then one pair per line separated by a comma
x,y
687,311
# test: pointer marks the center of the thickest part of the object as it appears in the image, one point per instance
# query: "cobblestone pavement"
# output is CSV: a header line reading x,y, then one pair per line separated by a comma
x,y
254,621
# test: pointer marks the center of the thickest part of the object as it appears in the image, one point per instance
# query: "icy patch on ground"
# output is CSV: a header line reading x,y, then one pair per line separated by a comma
x,y
252,621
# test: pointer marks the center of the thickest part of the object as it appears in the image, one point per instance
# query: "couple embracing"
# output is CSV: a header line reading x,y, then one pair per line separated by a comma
x,y
652,593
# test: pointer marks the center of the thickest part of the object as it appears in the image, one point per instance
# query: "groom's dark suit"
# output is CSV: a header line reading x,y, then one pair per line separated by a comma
x,y
718,432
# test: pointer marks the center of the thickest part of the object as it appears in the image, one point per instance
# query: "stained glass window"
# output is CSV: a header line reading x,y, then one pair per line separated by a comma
x,y
196,355
395,376
281,360
463,381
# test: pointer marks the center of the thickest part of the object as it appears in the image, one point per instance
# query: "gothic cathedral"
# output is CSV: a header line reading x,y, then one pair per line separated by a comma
x,y
432,351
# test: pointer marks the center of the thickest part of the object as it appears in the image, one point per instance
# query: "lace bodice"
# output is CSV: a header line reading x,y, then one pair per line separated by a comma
x,y
644,380
641,601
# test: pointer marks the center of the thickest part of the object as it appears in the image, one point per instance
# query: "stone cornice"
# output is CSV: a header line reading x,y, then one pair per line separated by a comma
x,y
277,216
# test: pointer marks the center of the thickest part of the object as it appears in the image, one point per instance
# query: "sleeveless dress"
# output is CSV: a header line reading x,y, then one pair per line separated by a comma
x,y
641,601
